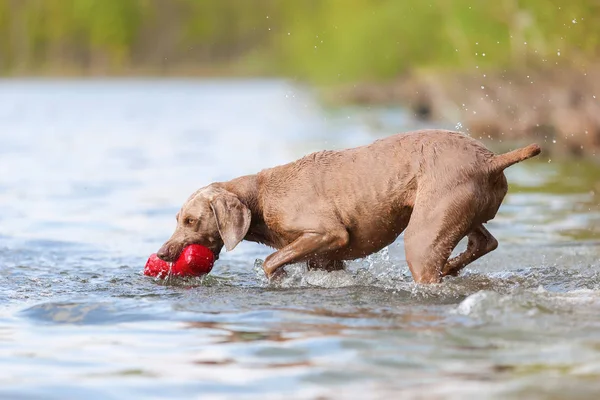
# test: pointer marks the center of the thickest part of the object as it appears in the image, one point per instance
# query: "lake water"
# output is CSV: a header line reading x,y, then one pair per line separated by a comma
x,y
91,176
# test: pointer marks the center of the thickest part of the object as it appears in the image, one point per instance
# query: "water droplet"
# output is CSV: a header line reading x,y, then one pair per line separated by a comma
x,y
554,141
483,87
574,21
483,54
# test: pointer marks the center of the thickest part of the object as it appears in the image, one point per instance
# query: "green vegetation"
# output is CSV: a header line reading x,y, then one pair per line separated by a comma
x,y
328,41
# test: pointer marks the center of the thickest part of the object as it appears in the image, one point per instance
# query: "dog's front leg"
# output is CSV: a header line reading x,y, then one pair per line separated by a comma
x,y
325,264
307,245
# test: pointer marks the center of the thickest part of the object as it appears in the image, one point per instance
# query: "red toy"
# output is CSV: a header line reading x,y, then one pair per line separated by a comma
x,y
195,260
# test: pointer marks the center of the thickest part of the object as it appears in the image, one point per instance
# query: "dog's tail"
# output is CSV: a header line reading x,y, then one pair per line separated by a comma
x,y
502,161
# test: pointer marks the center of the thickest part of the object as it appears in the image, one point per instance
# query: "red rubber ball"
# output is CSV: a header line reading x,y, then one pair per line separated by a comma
x,y
195,260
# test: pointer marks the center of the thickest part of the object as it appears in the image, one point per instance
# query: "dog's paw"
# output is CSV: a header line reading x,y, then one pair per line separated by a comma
x,y
277,276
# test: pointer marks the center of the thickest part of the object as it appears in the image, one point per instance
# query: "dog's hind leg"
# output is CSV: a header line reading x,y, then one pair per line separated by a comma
x,y
436,226
481,242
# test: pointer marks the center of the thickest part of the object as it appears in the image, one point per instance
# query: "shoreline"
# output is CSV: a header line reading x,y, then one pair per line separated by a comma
x,y
558,108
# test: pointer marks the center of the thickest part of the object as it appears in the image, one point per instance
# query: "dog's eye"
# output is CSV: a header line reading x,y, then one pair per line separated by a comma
x,y
190,221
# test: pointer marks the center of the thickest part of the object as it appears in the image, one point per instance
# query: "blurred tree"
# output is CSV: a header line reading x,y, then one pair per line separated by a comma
x,y
324,40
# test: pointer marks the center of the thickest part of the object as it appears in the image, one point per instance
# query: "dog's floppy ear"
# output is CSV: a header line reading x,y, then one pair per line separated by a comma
x,y
233,218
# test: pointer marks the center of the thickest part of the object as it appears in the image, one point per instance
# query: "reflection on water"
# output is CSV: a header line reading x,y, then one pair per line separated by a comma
x,y
91,176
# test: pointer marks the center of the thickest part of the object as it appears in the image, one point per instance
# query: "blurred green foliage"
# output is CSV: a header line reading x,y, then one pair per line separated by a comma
x,y
321,40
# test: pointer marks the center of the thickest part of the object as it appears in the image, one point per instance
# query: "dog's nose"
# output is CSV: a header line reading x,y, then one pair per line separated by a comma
x,y
163,253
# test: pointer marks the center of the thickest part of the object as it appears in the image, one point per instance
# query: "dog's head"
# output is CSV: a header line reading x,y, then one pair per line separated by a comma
x,y
211,217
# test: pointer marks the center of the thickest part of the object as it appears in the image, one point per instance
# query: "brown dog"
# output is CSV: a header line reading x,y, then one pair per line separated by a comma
x,y
332,206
